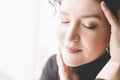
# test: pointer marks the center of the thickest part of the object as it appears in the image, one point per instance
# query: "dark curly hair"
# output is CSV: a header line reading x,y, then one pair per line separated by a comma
x,y
114,5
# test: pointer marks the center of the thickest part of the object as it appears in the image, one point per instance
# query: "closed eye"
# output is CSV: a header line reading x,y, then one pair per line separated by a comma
x,y
65,22
90,26
63,18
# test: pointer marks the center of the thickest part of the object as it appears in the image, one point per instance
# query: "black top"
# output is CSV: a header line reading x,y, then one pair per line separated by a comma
x,y
87,71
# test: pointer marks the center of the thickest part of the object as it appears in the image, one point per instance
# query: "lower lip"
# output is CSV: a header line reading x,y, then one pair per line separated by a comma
x,y
73,51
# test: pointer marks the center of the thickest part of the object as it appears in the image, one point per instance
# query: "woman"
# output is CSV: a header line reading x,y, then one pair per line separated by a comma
x,y
89,42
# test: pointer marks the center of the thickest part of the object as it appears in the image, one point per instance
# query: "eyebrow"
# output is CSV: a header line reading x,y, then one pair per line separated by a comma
x,y
92,16
87,16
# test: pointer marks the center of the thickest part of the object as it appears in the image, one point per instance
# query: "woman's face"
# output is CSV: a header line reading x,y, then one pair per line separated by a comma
x,y
83,31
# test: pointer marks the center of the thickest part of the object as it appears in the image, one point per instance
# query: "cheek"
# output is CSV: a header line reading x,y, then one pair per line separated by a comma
x,y
105,35
60,34
98,39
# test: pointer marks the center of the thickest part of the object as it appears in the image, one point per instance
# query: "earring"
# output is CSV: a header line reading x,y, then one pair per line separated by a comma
x,y
107,50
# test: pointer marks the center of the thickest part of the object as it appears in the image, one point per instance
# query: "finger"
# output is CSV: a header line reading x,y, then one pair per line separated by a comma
x,y
60,58
111,19
60,62
62,68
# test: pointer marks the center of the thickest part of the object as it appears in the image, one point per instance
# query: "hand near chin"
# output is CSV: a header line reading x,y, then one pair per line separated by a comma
x,y
115,33
63,69
65,72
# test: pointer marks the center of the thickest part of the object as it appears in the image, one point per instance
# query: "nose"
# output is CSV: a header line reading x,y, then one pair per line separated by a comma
x,y
72,33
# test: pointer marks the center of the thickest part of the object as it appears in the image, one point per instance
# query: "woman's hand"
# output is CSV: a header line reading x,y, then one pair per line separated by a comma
x,y
111,71
62,68
115,33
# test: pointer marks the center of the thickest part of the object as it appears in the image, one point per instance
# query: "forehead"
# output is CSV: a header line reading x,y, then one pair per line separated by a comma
x,y
81,7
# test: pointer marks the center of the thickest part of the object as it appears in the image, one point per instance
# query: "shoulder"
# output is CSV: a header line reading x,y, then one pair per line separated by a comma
x,y
52,61
50,70
52,58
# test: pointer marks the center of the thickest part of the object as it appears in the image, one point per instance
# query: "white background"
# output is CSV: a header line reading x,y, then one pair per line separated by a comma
x,y
27,38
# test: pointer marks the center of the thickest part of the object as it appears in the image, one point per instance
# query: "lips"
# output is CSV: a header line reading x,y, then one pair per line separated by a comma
x,y
72,50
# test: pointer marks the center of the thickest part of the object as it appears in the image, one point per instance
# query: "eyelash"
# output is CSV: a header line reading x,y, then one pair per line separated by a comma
x,y
65,22
90,27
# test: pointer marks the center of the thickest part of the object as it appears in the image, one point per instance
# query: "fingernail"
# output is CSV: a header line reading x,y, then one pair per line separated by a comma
x,y
104,4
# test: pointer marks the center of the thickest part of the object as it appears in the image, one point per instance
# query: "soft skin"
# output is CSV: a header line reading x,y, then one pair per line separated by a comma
x,y
83,31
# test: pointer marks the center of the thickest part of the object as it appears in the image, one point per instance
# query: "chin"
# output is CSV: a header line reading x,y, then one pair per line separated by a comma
x,y
75,60
71,64
71,61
